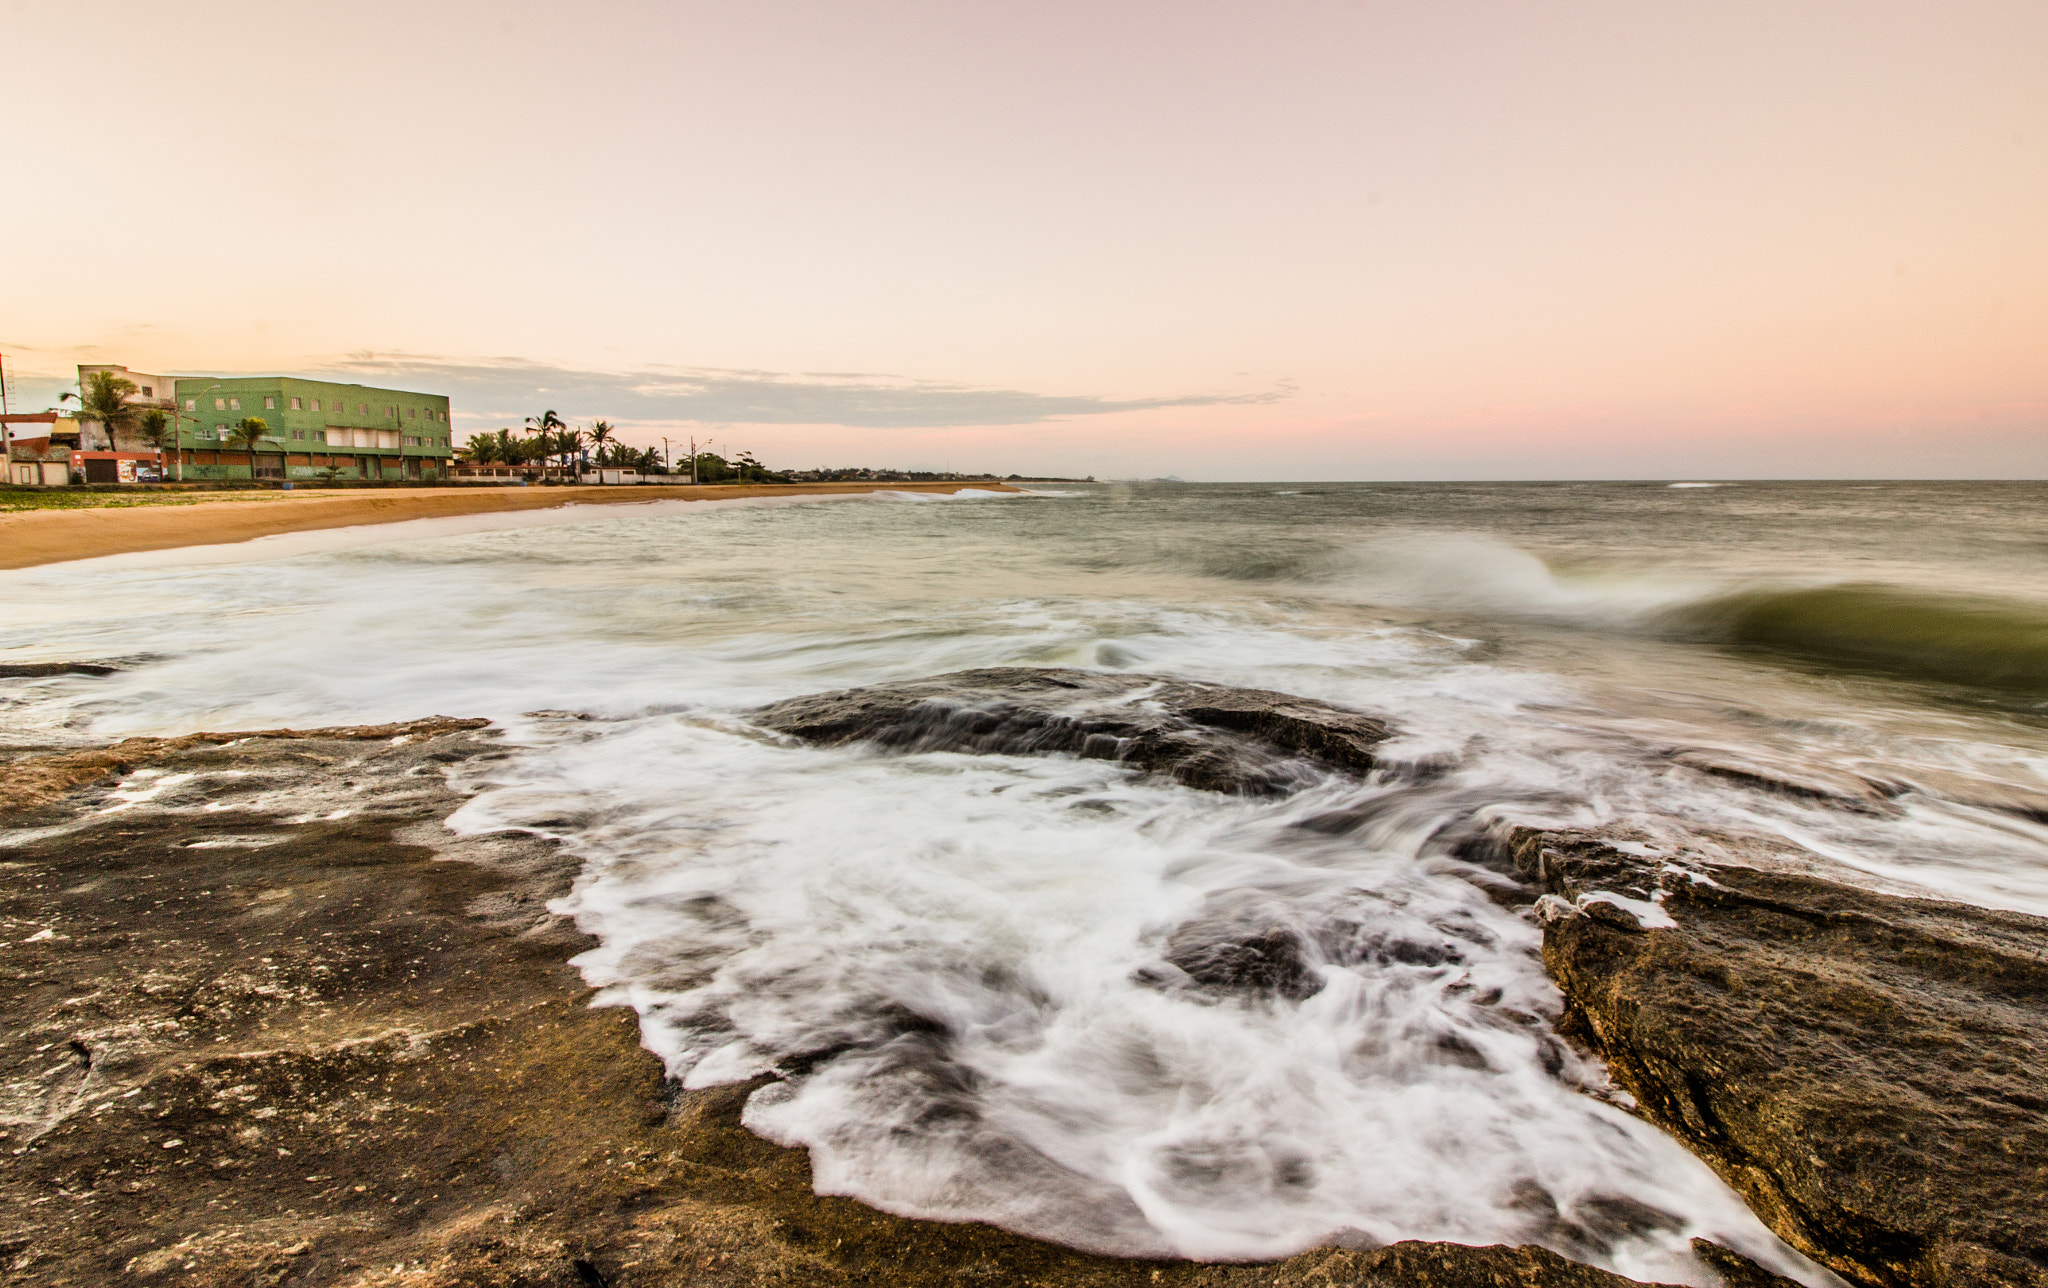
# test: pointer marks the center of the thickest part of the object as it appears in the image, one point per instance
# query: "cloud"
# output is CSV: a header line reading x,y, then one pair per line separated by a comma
x,y
509,389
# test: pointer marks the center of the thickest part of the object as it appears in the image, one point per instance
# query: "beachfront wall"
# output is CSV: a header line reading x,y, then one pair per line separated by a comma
x,y
318,429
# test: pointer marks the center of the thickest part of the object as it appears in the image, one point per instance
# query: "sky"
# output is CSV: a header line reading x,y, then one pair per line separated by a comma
x,y
1300,239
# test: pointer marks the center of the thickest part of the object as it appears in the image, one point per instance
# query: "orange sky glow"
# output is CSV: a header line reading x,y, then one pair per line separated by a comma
x,y
1324,239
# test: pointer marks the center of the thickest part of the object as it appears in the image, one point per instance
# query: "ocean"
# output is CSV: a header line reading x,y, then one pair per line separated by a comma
x,y
947,955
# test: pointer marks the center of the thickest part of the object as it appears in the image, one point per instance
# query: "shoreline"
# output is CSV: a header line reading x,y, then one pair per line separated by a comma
x,y
34,538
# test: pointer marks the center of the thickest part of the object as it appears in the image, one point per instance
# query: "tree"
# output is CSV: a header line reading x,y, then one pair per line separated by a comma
x,y
161,432
482,449
544,427
600,433
249,431
567,443
624,456
103,396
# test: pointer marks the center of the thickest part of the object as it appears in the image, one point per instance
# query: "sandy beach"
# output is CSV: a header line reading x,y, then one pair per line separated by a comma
x,y
33,537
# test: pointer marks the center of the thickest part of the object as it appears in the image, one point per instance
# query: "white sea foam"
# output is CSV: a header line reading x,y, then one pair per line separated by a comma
x,y
966,957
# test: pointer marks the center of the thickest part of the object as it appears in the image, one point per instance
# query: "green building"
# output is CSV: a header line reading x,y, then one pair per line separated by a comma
x,y
317,429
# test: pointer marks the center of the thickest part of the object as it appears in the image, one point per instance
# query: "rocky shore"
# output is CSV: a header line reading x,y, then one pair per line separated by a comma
x,y
270,1022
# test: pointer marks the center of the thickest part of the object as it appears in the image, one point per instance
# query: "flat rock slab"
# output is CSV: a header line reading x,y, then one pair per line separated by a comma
x,y
1870,1072
1247,741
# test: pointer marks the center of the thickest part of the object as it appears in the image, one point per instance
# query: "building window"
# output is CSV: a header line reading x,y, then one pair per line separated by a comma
x,y
234,404
220,404
270,404
391,413
191,404
295,405
362,409
147,392
412,413
316,404
298,433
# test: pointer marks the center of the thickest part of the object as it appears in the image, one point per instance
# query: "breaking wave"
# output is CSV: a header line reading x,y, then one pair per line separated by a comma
x,y
1980,642
1976,641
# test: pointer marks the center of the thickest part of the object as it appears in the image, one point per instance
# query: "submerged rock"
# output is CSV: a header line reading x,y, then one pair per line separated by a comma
x,y
27,670
1249,741
1869,1071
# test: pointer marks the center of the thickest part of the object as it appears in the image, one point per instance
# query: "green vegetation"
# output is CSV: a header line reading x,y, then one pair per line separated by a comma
x,y
49,498
547,440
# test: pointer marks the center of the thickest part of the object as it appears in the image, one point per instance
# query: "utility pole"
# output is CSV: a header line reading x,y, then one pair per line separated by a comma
x,y
664,456
6,429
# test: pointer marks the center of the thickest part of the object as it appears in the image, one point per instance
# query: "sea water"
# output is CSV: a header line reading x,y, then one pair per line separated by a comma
x,y
945,967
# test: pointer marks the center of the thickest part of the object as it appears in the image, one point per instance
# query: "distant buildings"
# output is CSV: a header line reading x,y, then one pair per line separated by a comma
x,y
317,429
32,460
314,429
151,393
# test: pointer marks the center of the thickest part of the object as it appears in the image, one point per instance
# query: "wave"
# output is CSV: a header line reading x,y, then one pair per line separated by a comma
x,y
964,494
1976,641
1984,643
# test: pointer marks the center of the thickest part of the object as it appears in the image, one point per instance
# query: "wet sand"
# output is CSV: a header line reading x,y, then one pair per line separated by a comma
x,y
33,537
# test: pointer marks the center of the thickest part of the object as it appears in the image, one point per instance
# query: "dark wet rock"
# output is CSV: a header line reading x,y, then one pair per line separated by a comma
x,y
1867,1070
27,670
1248,741
1736,1270
1269,959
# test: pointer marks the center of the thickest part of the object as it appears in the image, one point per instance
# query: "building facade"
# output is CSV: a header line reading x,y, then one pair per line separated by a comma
x,y
316,429
152,393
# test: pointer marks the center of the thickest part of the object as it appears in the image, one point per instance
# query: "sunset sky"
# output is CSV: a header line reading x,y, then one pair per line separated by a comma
x,y
1291,240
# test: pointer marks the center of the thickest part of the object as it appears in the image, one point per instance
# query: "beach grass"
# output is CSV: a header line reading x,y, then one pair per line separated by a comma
x,y
13,499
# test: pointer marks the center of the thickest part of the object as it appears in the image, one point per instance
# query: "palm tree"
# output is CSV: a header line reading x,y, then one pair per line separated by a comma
x,y
567,443
103,396
514,450
249,431
544,427
482,449
600,433
161,432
